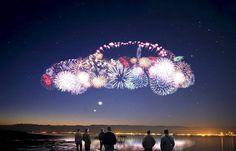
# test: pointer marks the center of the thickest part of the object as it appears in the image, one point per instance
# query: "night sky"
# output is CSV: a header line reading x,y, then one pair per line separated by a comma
x,y
36,34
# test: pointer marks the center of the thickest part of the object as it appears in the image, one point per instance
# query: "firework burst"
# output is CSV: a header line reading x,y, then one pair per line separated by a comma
x,y
185,69
164,72
144,62
65,81
99,81
161,87
163,69
119,77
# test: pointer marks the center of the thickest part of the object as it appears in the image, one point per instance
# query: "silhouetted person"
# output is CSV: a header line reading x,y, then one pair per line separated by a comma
x,y
78,140
148,141
87,140
167,141
109,140
101,137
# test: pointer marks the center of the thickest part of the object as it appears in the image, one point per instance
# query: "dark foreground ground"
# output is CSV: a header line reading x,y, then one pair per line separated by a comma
x,y
13,140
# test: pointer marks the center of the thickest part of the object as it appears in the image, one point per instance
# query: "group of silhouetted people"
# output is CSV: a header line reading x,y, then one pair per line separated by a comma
x,y
167,141
108,140
85,137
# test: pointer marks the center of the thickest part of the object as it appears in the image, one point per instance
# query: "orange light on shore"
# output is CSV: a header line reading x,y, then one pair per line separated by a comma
x,y
43,132
180,134
118,133
208,134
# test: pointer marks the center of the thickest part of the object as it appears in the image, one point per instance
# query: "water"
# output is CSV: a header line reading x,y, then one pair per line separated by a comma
x,y
213,144
134,143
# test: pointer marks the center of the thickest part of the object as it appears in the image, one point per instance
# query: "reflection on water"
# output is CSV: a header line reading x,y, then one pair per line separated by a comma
x,y
222,143
232,143
213,144
134,143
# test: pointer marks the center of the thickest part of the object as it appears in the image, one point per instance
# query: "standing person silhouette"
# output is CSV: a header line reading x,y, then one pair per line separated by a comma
x,y
101,137
167,141
148,141
87,140
78,140
109,140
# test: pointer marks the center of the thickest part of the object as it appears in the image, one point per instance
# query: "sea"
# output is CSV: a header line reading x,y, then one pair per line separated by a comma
x,y
134,143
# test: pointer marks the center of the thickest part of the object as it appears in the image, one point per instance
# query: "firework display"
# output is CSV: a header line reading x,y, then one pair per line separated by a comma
x,y
164,72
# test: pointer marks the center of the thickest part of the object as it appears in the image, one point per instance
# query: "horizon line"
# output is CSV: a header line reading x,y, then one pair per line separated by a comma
x,y
114,125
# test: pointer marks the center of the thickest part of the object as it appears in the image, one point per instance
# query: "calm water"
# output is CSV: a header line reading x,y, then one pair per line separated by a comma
x,y
134,144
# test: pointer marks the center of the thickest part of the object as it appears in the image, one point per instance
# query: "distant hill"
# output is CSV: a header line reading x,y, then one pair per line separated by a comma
x,y
96,128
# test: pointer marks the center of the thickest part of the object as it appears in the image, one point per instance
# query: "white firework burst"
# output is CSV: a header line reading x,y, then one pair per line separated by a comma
x,y
119,77
161,87
140,81
185,69
163,69
139,77
83,78
179,78
65,81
